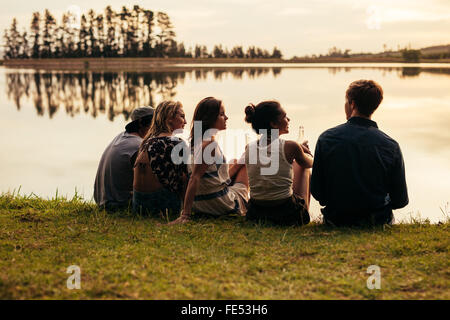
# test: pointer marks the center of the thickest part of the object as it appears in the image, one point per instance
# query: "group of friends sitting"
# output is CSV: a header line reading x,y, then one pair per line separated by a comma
x,y
358,173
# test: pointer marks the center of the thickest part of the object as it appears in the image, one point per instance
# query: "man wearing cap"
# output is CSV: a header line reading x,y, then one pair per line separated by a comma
x,y
113,187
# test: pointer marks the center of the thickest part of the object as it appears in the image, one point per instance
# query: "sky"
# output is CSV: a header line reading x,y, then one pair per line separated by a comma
x,y
298,28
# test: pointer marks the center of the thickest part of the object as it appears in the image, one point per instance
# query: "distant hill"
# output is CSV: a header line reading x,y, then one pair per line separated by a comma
x,y
427,52
436,49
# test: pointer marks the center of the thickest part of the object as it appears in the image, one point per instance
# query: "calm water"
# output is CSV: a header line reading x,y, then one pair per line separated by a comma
x,y
54,126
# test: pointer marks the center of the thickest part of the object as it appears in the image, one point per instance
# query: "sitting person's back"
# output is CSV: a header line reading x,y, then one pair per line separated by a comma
x,y
114,180
215,188
159,183
279,184
358,172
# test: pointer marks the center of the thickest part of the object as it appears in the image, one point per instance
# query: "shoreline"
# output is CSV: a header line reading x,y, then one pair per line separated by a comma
x,y
164,63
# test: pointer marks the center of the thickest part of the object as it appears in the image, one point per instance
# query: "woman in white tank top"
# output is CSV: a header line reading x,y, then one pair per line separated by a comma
x,y
278,170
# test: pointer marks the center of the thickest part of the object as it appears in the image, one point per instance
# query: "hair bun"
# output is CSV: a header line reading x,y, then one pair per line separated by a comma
x,y
249,113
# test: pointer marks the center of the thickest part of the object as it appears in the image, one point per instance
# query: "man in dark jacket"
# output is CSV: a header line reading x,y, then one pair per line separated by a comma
x,y
359,173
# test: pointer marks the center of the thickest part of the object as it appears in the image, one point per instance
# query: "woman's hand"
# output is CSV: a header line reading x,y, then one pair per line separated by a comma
x,y
184,218
305,148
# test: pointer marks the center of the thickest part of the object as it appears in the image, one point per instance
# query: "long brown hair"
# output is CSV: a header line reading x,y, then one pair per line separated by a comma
x,y
206,111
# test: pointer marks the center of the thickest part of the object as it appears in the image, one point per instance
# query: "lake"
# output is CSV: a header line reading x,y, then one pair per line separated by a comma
x,y
54,125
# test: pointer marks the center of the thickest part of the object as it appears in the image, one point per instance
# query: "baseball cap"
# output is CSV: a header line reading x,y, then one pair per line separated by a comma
x,y
139,113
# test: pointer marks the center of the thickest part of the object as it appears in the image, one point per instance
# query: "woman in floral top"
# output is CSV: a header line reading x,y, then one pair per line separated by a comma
x,y
159,181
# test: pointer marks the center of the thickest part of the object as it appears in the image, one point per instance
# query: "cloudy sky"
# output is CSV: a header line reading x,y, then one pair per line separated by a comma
x,y
296,27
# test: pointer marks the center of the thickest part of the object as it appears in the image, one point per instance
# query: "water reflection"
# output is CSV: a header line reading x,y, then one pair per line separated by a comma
x,y
402,72
415,112
110,93
118,93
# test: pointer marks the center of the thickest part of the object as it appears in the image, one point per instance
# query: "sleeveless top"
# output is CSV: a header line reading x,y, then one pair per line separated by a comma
x,y
216,178
277,184
169,174
215,194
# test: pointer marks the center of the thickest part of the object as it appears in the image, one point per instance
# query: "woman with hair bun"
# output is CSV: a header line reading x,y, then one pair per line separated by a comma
x,y
280,197
215,187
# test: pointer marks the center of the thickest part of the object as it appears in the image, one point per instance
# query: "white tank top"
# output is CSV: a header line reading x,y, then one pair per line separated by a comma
x,y
274,186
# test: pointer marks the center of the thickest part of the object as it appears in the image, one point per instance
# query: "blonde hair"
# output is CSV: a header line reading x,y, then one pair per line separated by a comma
x,y
164,112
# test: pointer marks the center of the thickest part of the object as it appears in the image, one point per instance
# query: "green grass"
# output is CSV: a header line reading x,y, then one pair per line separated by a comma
x,y
122,256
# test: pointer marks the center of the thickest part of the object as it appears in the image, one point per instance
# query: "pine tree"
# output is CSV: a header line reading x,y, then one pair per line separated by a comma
x,y
110,42
7,54
35,35
134,32
14,41
83,38
166,35
48,35
124,25
148,43
60,43
25,52
71,34
92,50
100,27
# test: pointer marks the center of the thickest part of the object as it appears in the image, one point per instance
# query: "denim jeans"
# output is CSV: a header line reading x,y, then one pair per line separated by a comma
x,y
154,203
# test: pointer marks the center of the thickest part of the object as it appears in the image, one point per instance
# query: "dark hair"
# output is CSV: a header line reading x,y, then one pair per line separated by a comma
x,y
367,95
263,114
136,125
206,111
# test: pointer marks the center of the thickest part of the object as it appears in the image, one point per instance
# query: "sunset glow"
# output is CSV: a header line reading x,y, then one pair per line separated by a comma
x,y
297,28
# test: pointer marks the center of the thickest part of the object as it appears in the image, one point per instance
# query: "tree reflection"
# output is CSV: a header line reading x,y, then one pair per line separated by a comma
x,y
414,71
403,72
109,93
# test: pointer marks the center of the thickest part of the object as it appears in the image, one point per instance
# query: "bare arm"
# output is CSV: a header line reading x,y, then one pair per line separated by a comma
x,y
234,169
294,151
197,172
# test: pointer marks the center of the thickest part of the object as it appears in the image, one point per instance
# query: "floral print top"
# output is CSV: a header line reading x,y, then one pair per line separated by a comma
x,y
169,174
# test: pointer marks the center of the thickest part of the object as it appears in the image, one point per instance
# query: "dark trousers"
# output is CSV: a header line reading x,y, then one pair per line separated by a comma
x,y
349,219
287,212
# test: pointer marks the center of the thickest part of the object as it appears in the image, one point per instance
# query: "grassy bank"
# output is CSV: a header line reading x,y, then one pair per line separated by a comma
x,y
142,64
123,256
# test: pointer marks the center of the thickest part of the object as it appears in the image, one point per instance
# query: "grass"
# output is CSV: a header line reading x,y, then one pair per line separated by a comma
x,y
122,256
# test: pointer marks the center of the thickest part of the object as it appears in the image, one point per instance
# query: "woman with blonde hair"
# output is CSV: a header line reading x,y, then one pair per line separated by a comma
x,y
159,182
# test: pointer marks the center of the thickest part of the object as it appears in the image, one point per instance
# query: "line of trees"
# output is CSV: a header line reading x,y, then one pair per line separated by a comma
x,y
135,32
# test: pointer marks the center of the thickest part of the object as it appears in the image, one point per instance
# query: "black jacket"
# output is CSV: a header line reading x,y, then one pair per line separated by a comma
x,y
358,170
